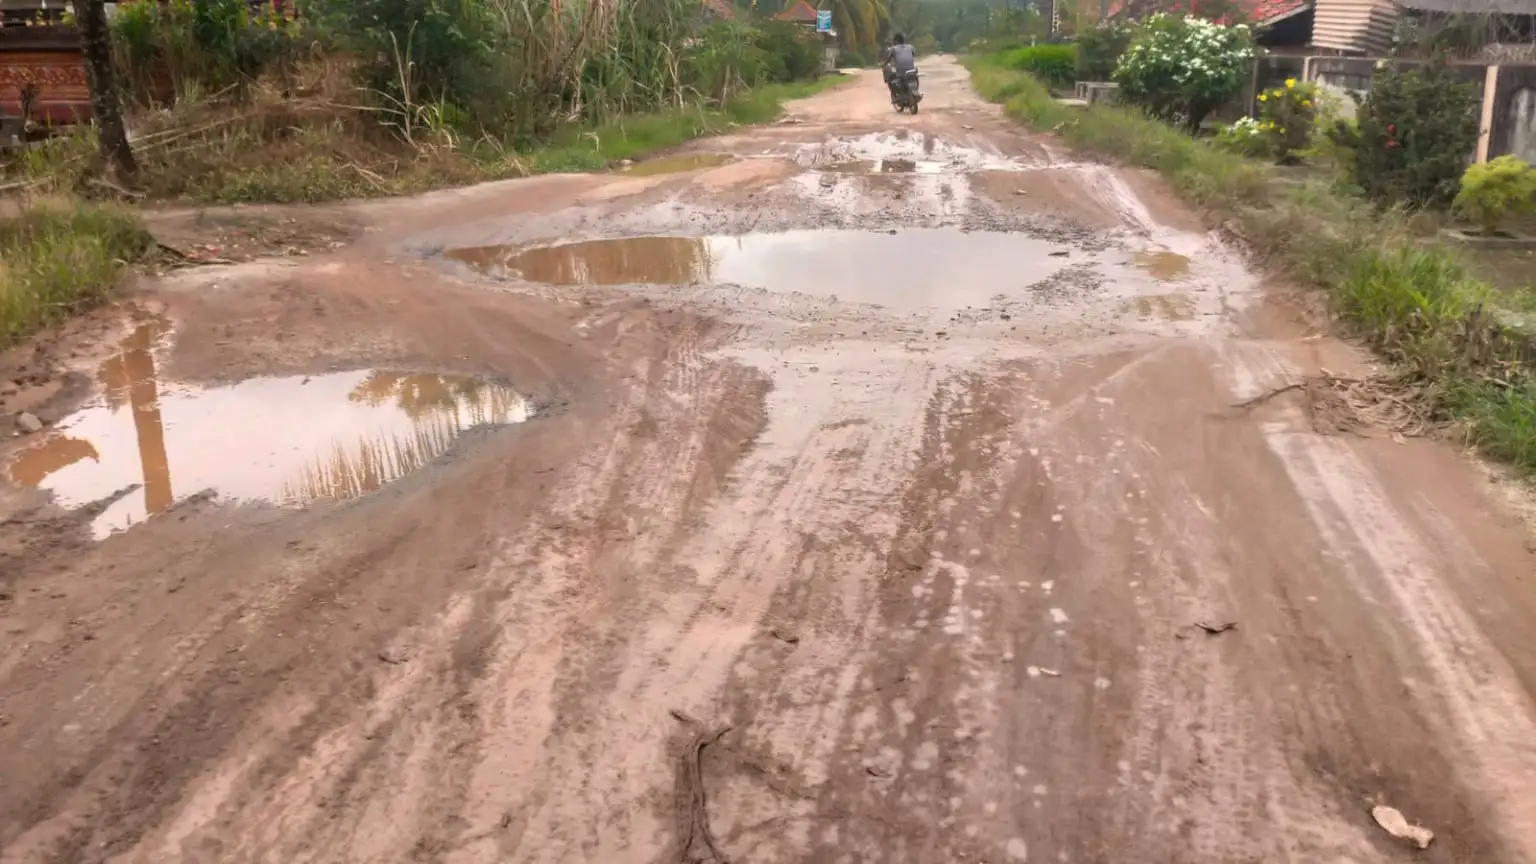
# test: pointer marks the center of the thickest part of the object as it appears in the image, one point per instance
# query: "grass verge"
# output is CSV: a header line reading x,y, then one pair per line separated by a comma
x,y
593,149
1414,302
58,258
290,151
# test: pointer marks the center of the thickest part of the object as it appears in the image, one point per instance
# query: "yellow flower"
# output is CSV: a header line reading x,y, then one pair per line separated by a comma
x,y
1306,103
1289,83
1263,97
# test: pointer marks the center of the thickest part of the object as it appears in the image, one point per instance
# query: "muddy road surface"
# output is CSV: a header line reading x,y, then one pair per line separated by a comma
x,y
857,488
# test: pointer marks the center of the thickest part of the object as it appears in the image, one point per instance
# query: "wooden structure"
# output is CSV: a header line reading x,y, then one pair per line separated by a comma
x,y
42,78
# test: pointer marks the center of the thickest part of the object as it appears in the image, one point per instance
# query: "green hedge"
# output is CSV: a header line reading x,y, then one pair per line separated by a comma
x,y
1056,65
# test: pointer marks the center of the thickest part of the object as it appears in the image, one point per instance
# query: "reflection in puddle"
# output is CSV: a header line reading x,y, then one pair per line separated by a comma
x,y
677,163
924,267
1164,265
285,440
661,260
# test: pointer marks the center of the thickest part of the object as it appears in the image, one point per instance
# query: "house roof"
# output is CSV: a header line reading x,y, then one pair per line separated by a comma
x,y
802,12
1257,11
1472,7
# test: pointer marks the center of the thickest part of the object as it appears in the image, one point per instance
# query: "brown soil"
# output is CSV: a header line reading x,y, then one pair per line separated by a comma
x,y
802,574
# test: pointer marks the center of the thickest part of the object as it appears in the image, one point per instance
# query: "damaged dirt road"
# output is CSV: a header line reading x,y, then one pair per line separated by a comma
x,y
870,491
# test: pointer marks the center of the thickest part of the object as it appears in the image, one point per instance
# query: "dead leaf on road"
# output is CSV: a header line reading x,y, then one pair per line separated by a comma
x,y
1395,823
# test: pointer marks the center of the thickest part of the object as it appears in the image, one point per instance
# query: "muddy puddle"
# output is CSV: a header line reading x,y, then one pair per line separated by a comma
x,y
675,164
886,166
288,441
915,268
902,153
1163,265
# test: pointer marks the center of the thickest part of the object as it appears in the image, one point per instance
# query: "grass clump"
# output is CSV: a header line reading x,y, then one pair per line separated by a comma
x,y
1412,301
59,258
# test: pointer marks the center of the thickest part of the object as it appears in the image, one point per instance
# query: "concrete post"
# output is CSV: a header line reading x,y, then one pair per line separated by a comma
x,y
1485,121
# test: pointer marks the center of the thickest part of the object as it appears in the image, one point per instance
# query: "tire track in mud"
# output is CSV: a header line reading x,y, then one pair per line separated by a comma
x,y
938,578
749,544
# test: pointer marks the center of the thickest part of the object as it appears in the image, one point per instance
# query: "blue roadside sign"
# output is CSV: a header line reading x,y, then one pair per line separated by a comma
x,y
824,21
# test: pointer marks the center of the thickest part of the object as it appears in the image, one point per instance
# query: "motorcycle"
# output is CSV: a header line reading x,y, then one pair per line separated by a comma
x,y
904,91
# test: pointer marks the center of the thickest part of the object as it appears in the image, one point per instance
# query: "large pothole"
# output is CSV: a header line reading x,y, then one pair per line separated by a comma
x,y
284,440
902,153
915,268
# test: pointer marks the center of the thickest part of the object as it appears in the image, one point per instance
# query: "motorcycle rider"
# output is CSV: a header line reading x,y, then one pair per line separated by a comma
x,y
899,59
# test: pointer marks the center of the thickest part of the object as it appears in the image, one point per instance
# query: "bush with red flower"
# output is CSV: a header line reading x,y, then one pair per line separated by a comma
x,y
1415,133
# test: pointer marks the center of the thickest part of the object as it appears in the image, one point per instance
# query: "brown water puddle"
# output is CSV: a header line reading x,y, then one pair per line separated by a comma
x,y
922,267
886,166
676,164
1163,265
900,153
289,441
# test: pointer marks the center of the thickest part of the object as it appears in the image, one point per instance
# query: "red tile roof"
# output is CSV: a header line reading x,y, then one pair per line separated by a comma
x,y
800,13
1255,11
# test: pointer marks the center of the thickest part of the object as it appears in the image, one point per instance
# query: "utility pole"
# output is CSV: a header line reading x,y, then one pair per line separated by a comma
x,y
96,41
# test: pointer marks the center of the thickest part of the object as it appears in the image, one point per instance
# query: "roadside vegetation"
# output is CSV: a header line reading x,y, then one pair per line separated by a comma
x,y
1362,224
58,257
230,102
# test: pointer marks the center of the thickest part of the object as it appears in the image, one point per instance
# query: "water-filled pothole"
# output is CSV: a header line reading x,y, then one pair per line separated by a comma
x,y
676,164
1163,265
901,153
886,166
920,267
289,440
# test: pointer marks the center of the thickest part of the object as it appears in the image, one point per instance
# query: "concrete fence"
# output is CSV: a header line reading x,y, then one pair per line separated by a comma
x,y
1506,93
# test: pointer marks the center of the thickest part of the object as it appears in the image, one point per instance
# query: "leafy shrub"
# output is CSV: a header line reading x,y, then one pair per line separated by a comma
x,y
727,60
1493,190
792,53
1247,137
1289,117
1099,50
1181,69
193,46
415,51
1414,134
1056,65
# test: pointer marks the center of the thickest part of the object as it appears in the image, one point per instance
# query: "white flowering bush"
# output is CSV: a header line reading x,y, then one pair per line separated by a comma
x,y
1248,137
1180,69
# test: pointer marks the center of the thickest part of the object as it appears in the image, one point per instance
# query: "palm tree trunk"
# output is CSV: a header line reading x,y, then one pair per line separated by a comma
x,y
96,40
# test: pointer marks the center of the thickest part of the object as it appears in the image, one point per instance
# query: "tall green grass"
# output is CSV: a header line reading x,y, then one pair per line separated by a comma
x,y
596,147
56,259
1412,301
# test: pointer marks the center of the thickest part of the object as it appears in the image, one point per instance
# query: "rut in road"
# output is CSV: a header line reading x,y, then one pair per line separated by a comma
x,y
857,488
